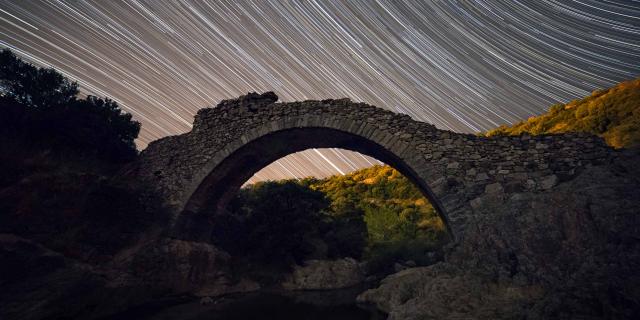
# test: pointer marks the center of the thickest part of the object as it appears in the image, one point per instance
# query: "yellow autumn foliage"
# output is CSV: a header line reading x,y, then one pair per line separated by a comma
x,y
612,113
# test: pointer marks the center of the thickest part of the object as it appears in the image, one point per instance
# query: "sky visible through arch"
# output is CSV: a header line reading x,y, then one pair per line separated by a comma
x,y
466,66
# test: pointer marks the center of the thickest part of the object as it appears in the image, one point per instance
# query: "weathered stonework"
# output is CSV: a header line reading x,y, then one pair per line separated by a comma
x,y
232,141
572,252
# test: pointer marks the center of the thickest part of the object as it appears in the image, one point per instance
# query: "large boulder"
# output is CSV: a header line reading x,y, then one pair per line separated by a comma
x,y
38,283
325,274
443,291
181,266
571,251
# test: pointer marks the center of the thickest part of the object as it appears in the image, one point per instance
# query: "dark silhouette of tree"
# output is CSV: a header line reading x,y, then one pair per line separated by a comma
x,y
104,127
273,222
32,86
42,110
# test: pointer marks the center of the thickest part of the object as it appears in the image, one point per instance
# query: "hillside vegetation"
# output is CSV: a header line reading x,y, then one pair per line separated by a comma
x,y
394,209
375,214
612,113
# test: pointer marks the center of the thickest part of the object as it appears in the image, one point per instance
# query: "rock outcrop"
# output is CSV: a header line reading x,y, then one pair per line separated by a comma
x,y
571,251
180,266
325,274
38,283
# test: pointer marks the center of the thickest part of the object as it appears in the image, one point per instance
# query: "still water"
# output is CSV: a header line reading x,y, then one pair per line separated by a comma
x,y
308,305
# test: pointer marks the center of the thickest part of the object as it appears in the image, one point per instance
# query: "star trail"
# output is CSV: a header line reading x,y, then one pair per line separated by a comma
x,y
466,66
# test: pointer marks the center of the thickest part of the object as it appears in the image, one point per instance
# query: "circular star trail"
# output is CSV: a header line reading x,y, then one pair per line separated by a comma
x,y
466,66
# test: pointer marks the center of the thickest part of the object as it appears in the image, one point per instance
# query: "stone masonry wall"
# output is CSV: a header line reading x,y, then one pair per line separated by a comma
x,y
453,169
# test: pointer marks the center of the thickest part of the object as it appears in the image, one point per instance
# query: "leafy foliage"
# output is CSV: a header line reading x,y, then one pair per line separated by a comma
x,y
374,211
613,114
272,222
31,86
41,109
394,208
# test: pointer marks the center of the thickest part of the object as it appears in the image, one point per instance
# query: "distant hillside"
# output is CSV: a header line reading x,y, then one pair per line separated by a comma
x,y
613,114
393,206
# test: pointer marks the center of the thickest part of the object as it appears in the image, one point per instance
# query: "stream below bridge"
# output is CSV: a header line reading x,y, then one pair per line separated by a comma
x,y
282,305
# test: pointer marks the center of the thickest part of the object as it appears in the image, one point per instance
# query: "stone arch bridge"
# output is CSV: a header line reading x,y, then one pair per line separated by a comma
x,y
231,142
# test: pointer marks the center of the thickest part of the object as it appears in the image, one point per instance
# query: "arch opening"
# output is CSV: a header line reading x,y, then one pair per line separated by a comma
x,y
319,163
225,180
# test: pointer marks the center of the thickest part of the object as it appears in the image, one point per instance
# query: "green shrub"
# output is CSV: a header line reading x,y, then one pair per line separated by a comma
x,y
374,210
383,256
272,222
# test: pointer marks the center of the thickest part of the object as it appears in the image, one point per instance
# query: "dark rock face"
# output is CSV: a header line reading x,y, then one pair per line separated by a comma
x,y
185,267
37,283
325,274
570,252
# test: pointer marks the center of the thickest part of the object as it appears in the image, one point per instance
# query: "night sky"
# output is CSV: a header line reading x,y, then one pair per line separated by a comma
x,y
464,66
